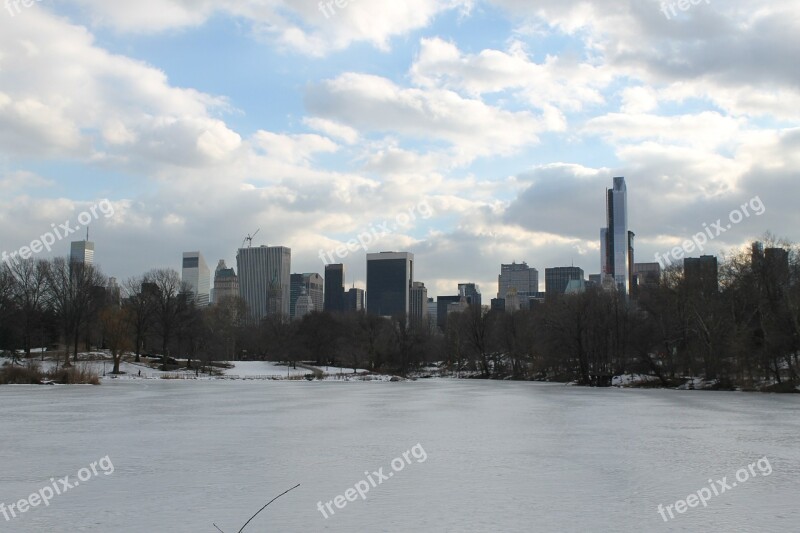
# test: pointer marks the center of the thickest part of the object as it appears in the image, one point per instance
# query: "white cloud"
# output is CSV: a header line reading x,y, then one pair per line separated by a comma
x,y
377,105
61,95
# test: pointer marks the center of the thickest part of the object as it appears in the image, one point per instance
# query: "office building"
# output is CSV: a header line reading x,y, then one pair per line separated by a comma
x,y
512,302
616,242
701,275
556,281
304,305
113,292
645,275
471,293
354,300
419,302
264,280
82,252
389,279
197,276
433,311
442,303
334,288
313,285
771,263
521,277
226,283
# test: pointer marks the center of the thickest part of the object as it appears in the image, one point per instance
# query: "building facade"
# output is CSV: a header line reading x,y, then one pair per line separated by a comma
x,y
197,276
304,305
334,288
354,300
419,302
313,286
264,280
389,279
442,304
226,283
701,274
556,280
519,276
616,242
471,292
82,252
645,275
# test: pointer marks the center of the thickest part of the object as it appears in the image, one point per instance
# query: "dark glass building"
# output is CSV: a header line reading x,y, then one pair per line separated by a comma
x,y
389,279
701,274
334,288
557,279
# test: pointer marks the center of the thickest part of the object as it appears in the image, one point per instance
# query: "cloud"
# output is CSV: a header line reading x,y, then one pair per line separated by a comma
x,y
63,96
560,82
307,27
372,104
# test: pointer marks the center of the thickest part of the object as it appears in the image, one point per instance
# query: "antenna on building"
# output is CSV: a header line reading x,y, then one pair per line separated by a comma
x,y
249,239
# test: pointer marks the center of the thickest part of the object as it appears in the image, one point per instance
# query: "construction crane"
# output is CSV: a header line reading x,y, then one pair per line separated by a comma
x,y
249,239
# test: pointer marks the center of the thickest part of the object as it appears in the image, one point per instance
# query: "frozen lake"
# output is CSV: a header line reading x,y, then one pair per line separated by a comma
x,y
498,457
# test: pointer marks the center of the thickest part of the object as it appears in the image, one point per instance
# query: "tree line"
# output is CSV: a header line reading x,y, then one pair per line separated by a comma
x,y
742,332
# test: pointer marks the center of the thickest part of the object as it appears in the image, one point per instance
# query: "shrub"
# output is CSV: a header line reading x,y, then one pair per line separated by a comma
x,y
20,375
74,376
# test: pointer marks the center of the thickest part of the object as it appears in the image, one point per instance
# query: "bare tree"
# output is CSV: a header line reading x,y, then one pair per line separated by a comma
x,y
117,333
71,294
29,296
166,289
140,305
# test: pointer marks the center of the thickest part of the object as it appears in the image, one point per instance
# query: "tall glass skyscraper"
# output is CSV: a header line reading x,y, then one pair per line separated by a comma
x,y
616,242
82,252
390,276
334,288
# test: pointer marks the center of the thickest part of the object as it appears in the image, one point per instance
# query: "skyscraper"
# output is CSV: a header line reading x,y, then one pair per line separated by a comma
x,y
264,282
645,275
518,276
701,274
334,288
312,284
304,305
197,275
226,283
82,252
419,302
442,304
354,300
389,279
616,242
471,293
556,280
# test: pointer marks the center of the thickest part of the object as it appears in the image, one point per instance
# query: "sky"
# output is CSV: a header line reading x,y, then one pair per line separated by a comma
x,y
469,132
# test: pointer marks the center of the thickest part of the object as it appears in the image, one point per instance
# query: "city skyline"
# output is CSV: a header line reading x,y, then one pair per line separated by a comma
x,y
178,137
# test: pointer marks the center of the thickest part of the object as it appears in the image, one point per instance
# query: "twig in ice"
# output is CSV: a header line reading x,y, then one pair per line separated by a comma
x,y
255,515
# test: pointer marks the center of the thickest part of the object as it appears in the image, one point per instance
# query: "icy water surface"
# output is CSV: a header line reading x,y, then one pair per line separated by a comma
x,y
497,457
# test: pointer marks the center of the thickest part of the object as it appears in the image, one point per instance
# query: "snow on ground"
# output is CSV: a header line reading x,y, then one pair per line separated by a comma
x,y
627,380
253,369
